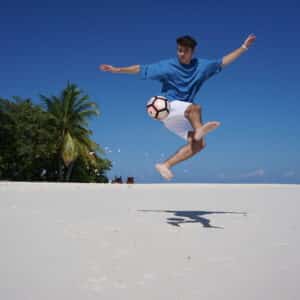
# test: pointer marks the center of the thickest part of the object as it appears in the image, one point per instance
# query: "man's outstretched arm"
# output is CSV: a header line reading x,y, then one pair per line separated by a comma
x,y
229,58
126,70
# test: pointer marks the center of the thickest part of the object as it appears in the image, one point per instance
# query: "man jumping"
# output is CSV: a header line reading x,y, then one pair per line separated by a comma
x,y
181,79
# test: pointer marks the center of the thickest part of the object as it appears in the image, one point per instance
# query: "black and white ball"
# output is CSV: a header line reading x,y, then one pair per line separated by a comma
x,y
158,107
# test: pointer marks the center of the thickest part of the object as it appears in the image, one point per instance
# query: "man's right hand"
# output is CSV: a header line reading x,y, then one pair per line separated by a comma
x,y
126,70
109,68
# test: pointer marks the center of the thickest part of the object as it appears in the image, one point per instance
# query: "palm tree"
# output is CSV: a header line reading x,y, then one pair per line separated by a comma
x,y
70,112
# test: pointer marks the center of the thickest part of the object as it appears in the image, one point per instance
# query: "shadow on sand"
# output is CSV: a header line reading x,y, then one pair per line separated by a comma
x,y
192,216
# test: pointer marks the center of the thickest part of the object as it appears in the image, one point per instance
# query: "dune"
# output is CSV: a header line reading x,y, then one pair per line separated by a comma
x,y
149,241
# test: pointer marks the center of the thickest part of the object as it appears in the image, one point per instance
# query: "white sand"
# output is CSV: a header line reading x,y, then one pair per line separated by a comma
x,y
88,241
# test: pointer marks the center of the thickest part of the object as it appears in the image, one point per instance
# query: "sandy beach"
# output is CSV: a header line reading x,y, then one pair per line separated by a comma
x,y
155,241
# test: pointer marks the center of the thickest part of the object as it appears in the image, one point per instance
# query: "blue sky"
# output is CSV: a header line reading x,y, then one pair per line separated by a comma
x,y
257,98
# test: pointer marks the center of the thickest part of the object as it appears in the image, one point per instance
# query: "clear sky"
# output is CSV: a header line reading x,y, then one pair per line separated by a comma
x,y
257,98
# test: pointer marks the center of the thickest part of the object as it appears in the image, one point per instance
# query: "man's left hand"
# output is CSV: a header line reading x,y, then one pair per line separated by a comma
x,y
249,40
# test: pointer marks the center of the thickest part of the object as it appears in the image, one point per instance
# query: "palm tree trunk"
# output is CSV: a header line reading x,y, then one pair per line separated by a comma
x,y
60,171
61,163
69,172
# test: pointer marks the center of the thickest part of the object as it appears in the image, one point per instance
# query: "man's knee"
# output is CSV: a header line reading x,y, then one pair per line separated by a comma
x,y
197,107
198,146
192,108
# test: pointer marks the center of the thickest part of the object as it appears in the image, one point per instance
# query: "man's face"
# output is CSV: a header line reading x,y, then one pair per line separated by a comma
x,y
184,54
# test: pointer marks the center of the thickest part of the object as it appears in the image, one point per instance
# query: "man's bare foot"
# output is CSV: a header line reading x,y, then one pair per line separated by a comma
x,y
205,129
164,171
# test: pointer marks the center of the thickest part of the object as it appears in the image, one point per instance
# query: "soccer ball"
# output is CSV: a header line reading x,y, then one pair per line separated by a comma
x,y
158,107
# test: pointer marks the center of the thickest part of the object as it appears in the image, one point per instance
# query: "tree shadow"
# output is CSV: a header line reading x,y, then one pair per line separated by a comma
x,y
192,216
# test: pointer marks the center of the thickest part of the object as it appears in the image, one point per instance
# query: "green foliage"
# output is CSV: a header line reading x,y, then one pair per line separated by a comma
x,y
50,144
28,140
85,172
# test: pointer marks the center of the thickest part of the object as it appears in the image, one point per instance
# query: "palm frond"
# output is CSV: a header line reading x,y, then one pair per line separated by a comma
x,y
69,150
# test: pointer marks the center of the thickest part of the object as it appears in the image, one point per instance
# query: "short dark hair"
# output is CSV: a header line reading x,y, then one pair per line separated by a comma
x,y
187,41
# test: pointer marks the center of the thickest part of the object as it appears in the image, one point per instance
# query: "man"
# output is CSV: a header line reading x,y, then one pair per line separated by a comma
x,y
181,79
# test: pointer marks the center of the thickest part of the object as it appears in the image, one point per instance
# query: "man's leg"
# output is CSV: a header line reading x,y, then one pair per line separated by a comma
x,y
182,154
196,140
194,114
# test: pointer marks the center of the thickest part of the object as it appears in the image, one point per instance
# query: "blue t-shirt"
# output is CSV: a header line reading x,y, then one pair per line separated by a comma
x,y
180,81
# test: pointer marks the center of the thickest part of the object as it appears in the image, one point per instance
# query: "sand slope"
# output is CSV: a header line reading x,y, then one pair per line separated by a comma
x,y
198,241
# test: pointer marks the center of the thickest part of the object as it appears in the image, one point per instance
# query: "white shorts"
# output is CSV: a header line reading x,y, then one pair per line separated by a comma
x,y
176,121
